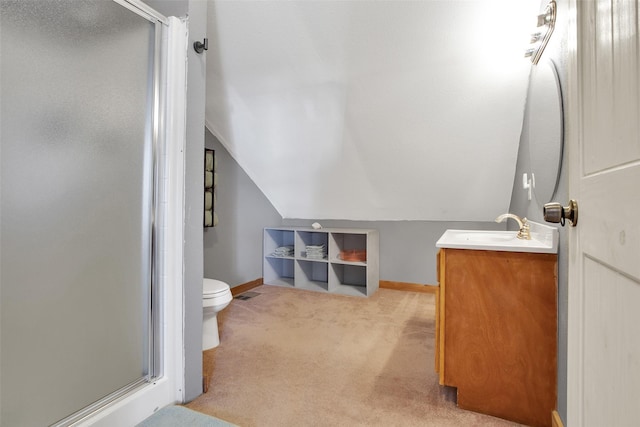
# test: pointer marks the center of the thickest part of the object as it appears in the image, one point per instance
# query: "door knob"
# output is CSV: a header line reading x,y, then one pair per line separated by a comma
x,y
555,212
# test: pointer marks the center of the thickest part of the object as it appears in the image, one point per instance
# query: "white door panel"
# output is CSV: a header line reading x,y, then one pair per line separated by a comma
x,y
610,82
605,210
611,347
604,260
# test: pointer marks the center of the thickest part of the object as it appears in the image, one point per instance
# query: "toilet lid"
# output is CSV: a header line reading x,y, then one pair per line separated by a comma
x,y
212,287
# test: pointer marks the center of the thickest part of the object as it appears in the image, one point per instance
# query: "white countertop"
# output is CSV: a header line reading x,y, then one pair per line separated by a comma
x,y
544,239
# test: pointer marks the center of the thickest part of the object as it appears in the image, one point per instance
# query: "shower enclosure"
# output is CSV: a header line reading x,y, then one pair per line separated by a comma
x,y
79,106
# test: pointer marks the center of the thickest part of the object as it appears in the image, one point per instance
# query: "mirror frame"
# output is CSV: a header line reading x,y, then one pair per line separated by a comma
x,y
545,120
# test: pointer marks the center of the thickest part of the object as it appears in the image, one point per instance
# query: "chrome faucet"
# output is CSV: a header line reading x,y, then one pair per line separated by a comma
x,y
522,223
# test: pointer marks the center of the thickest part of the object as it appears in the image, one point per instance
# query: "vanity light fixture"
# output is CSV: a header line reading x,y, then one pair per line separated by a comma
x,y
540,38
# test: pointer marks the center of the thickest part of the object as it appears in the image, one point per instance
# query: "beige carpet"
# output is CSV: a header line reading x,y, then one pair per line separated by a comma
x,y
290,357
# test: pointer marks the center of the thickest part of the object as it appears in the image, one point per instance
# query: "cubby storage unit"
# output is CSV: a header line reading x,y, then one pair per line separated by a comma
x,y
339,260
278,269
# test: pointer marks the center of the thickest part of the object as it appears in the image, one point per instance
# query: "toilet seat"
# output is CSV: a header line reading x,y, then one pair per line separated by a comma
x,y
212,288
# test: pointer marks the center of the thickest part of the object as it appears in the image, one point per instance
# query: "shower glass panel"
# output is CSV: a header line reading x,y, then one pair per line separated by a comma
x,y
77,169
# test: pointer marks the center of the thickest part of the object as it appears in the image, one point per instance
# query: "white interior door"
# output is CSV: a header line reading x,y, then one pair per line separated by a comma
x,y
604,271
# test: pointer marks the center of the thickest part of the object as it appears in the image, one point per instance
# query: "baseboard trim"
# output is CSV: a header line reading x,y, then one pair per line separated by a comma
x,y
411,287
386,284
237,290
556,421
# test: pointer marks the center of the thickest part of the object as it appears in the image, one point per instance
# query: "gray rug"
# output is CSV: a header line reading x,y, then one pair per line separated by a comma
x,y
173,416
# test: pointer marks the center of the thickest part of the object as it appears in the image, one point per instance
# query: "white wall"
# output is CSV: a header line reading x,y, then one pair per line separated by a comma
x,y
194,203
372,110
233,249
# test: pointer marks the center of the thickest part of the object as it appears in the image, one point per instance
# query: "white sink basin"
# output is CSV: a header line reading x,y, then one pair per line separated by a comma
x,y
544,239
484,236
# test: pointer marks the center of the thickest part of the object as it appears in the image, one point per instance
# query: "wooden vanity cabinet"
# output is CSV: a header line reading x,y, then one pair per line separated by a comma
x,y
496,332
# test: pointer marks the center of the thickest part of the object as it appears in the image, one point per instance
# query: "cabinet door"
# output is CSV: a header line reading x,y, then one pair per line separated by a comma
x,y
501,333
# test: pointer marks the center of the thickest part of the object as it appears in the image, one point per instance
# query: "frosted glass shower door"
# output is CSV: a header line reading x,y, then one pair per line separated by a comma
x,y
76,156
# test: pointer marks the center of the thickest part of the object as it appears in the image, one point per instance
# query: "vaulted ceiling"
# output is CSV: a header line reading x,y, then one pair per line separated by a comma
x,y
372,110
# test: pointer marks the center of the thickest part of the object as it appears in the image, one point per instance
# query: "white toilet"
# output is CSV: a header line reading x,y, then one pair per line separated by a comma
x,y
216,295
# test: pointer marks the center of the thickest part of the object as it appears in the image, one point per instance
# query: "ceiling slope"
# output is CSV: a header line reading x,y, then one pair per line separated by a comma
x,y
367,110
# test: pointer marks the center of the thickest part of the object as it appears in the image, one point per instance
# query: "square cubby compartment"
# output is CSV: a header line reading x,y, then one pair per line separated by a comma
x,y
313,275
350,247
349,279
274,239
279,271
317,241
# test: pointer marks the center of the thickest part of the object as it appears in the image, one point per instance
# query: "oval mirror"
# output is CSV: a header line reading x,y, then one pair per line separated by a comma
x,y
544,113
